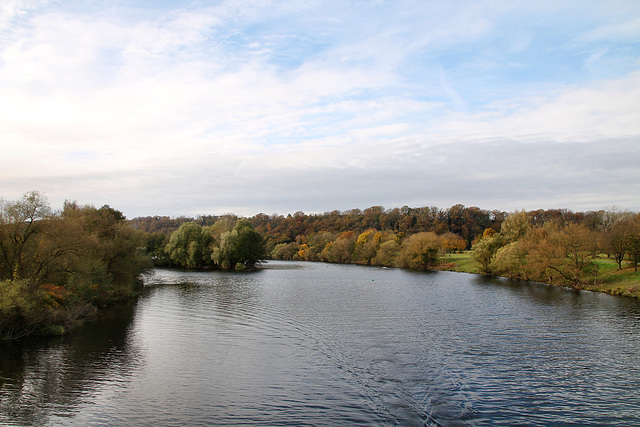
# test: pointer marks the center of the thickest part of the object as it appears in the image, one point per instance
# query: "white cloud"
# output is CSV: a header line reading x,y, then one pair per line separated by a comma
x,y
606,109
251,106
14,10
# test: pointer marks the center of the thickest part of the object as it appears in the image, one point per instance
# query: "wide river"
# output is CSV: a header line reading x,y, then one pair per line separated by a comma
x,y
321,344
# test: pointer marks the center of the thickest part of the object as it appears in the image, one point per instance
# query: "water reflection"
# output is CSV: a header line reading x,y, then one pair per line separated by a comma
x,y
45,378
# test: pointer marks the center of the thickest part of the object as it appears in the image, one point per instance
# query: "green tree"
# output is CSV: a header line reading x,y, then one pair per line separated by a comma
x,y
155,248
239,248
515,226
189,246
511,260
485,248
250,249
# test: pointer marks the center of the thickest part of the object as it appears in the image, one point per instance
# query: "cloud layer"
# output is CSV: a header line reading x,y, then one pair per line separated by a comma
x,y
248,107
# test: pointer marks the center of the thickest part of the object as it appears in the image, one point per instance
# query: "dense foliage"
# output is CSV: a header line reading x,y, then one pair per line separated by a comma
x,y
422,238
287,235
228,243
58,267
556,252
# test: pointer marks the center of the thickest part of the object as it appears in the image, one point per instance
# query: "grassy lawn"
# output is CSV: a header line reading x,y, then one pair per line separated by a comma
x,y
625,282
461,262
613,281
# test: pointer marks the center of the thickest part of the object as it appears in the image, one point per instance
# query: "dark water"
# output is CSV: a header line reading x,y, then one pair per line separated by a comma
x,y
318,344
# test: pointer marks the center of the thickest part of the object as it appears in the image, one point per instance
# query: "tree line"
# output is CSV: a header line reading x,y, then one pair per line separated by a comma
x,y
422,237
350,236
557,252
58,267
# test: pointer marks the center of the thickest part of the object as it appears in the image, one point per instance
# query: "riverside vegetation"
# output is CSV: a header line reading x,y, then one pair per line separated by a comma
x,y
596,250
58,268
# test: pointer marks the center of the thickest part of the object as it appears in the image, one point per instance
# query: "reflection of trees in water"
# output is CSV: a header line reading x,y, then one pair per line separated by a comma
x,y
621,313
232,294
236,295
51,377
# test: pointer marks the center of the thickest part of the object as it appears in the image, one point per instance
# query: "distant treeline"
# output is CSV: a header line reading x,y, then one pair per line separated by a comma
x,y
421,237
466,222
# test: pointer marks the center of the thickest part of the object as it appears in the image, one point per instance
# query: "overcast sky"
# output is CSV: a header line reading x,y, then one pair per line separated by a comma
x,y
248,106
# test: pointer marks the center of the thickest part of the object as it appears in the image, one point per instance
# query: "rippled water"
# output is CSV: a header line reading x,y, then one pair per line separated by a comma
x,y
319,344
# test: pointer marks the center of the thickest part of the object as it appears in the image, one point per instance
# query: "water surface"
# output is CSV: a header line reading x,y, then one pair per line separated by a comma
x,y
321,344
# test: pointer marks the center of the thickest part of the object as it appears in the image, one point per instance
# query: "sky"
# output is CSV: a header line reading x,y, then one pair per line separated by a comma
x,y
163,107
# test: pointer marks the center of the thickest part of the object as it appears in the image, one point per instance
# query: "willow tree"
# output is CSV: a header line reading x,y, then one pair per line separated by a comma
x,y
485,249
240,248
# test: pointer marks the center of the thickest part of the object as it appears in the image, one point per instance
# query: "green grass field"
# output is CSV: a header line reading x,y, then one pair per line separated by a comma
x,y
609,279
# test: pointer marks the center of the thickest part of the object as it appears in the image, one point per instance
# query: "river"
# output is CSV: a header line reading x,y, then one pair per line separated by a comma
x,y
300,343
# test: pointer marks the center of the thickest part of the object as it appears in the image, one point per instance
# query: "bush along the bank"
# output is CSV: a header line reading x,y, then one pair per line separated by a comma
x,y
57,268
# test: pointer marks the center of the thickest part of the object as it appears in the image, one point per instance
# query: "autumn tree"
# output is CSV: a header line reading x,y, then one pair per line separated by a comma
x,y
387,254
451,242
618,236
21,225
420,250
109,256
634,242
339,250
571,251
367,245
315,243
515,226
56,268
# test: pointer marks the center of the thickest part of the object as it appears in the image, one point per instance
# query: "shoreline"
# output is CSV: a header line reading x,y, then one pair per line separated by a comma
x,y
608,280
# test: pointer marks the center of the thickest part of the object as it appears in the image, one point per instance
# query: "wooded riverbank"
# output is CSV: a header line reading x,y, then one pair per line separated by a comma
x,y
609,279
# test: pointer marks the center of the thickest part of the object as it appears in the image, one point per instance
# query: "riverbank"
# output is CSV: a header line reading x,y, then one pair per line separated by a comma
x,y
609,279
